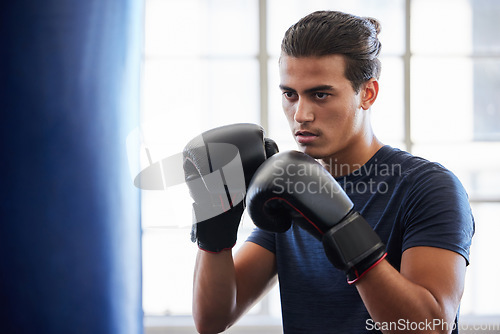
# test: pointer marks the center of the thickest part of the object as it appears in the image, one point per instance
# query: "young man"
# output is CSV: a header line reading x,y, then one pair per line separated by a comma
x,y
329,71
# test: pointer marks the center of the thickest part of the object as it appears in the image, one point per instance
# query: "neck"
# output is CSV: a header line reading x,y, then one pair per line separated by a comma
x,y
351,158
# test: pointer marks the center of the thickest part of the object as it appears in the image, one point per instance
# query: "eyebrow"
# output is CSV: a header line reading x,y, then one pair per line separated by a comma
x,y
309,90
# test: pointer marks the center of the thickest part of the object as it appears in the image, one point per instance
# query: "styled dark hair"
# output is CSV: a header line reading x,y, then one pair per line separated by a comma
x,y
325,33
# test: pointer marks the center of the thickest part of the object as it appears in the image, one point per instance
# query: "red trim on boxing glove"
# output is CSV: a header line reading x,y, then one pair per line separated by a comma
x,y
280,228
358,277
218,251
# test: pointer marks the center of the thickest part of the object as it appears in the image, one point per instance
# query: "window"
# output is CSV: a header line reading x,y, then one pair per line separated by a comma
x,y
213,62
455,110
200,71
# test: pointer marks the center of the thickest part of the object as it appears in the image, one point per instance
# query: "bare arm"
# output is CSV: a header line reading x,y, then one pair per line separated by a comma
x,y
225,288
428,289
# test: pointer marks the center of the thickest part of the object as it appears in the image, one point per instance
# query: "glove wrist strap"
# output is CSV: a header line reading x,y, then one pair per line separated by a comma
x,y
353,246
217,233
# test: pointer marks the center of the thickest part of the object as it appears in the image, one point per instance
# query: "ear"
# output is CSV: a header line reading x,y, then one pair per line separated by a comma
x,y
369,92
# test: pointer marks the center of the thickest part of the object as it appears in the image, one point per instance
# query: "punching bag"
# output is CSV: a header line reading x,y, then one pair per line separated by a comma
x,y
70,222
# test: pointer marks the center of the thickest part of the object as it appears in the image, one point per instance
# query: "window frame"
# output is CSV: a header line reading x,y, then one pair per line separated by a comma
x,y
263,320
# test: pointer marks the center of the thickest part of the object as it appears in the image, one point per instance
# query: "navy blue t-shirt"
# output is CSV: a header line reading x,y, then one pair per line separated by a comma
x,y
409,202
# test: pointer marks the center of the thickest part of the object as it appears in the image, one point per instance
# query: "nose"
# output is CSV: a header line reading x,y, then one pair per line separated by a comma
x,y
303,112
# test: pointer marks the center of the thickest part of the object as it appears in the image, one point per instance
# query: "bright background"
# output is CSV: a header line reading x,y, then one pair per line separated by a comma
x,y
213,62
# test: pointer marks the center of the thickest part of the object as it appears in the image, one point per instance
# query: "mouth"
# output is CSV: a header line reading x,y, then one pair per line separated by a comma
x,y
305,137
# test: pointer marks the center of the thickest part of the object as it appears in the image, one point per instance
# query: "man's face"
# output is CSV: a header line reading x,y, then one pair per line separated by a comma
x,y
324,112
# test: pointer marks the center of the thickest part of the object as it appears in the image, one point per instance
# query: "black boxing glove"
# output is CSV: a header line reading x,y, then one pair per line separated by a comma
x,y
293,187
218,166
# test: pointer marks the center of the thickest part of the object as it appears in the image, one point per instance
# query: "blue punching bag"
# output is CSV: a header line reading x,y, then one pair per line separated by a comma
x,y
70,228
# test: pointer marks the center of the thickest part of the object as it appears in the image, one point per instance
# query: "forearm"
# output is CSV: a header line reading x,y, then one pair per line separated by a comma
x,y
214,291
391,298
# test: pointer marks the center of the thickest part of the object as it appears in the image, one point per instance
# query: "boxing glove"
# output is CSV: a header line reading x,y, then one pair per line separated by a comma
x,y
293,187
218,166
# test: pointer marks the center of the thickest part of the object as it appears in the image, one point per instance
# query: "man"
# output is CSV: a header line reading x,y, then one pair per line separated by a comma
x,y
329,71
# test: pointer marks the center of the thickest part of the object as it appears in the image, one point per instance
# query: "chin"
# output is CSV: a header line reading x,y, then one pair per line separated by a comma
x,y
310,151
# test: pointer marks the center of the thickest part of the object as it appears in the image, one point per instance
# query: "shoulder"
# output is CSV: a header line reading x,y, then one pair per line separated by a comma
x,y
426,185
428,179
435,206
264,239
418,173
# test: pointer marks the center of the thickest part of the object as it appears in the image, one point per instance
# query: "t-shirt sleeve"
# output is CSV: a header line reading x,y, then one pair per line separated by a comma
x,y
438,213
263,238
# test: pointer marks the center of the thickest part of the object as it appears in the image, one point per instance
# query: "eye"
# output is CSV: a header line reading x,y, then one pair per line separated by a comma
x,y
289,95
321,96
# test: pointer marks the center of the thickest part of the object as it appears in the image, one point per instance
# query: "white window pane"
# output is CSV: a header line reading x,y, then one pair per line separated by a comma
x,y
487,99
199,27
169,258
455,99
232,27
232,92
442,99
434,27
189,95
168,262
169,91
283,13
455,26
278,124
481,294
486,26
388,109
173,27
170,208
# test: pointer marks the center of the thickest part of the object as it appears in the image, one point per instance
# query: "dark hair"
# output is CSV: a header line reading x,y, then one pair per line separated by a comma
x,y
330,32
